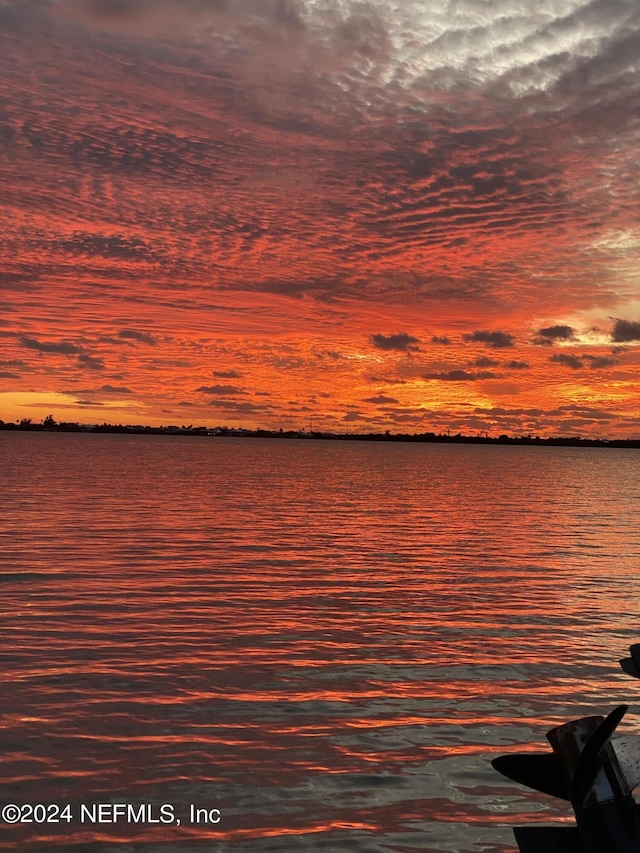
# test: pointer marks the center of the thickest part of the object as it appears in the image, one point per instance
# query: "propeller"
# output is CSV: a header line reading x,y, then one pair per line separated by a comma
x,y
607,819
541,771
590,760
545,771
632,665
593,768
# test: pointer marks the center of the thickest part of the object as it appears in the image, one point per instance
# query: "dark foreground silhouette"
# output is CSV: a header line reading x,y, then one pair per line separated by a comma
x,y
593,768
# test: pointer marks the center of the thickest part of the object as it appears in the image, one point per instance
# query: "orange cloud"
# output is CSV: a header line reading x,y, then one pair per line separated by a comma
x,y
323,206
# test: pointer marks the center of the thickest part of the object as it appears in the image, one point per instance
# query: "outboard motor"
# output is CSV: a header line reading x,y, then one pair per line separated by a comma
x,y
596,771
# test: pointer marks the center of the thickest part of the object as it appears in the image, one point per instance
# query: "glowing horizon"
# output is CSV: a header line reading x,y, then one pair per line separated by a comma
x,y
417,218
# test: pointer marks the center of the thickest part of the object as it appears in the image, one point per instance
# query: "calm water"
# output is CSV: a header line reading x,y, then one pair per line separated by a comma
x,y
326,641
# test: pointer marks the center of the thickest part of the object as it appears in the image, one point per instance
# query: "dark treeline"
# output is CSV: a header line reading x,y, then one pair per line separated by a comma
x,y
49,424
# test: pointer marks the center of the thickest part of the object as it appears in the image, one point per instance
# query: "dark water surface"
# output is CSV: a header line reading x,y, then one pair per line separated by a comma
x,y
326,641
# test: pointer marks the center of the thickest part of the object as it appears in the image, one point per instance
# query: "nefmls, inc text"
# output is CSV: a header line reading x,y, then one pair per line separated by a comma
x,y
127,813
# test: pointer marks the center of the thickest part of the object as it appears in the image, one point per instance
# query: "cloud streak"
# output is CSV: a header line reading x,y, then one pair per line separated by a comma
x,y
61,347
402,342
498,340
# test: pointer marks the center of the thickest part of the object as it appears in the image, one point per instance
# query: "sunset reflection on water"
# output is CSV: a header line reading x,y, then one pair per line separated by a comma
x,y
327,641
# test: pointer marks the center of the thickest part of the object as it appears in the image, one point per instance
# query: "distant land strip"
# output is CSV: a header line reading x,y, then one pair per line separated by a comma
x,y
51,425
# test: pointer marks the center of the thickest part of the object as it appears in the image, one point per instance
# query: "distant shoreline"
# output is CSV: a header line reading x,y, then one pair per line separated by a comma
x,y
419,438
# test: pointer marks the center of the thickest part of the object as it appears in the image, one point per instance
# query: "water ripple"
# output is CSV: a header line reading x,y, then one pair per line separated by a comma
x,y
327,641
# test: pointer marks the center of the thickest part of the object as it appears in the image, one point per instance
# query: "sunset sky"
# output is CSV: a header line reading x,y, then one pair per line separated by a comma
x,y
414,215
